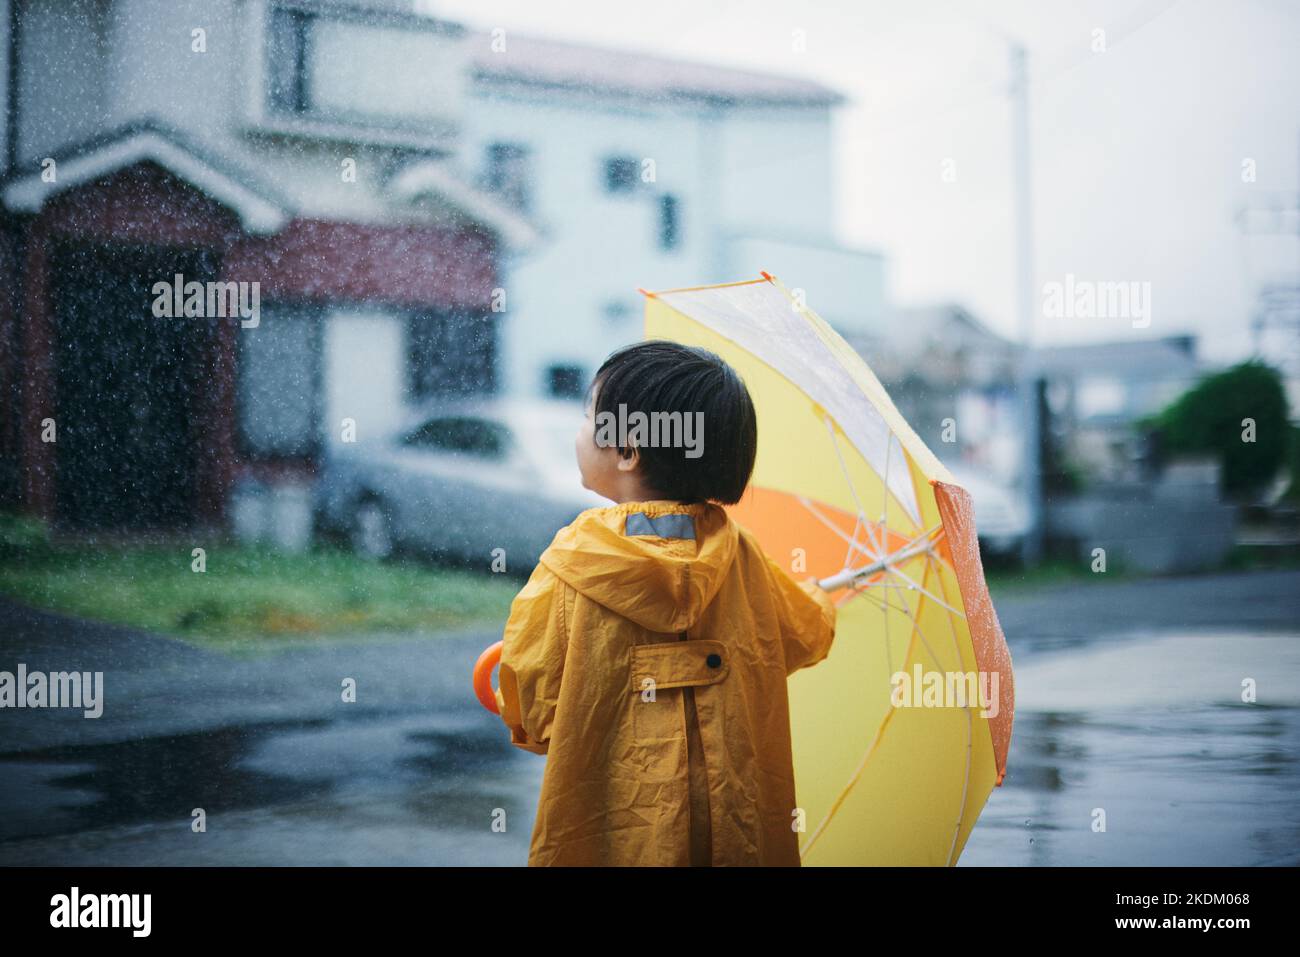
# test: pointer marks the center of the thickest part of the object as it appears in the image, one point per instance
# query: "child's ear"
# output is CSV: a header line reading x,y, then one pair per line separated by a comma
x,y
628,458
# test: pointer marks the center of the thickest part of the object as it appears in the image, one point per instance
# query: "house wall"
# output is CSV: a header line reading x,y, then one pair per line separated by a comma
x,y
64,87
776,172
755,191
597,248
154,71
404,264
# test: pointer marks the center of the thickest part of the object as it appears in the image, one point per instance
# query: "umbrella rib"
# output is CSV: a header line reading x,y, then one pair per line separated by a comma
x,y
857,774
918,632
853,543
969,718
853,538
848,480
852,781
970,730
884,510
888,566
917,624
921,588
912,549
861,520
881,603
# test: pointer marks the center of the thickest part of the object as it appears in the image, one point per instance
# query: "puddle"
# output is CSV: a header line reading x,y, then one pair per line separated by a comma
x,y
425,771
1150,736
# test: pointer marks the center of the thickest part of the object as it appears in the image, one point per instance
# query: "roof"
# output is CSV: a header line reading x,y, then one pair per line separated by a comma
x,y
1140,358
542,61
906,339
932,316
259,207
241,179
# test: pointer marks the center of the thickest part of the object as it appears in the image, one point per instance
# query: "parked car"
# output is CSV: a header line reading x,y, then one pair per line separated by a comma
x,y
461,478
1001,514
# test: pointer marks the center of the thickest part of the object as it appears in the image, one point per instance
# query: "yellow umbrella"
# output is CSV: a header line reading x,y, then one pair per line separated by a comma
x,y
901,734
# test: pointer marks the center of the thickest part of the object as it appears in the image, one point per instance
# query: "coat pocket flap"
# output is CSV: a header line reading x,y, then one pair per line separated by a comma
x,y
678,664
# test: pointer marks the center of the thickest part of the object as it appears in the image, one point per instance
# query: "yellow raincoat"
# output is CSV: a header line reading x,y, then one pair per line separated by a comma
x,y
647,658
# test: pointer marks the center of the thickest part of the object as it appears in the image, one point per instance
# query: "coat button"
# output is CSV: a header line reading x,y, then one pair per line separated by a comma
x,y
714,661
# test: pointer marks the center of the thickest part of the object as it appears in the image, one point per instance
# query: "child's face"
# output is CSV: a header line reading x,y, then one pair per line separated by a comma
x,y
602,467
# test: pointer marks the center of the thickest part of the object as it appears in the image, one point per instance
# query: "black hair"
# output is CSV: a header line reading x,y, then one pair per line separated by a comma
x,y
659,375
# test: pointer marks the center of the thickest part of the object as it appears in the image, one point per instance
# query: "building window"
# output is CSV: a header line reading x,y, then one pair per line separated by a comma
x,y
507,173
287,69
451,354
279,385
566,381
343,66
622,174
669,225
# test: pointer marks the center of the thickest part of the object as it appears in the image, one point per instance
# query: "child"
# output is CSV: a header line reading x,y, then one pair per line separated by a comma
x,y
648,653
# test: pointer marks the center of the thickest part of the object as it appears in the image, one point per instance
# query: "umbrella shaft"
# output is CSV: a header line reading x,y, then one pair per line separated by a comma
x,y
850,575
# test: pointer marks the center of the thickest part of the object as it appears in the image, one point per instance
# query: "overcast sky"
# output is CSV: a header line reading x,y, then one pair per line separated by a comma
x,y
1137,151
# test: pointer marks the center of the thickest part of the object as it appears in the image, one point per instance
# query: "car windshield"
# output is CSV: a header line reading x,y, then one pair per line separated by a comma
x,y
461,435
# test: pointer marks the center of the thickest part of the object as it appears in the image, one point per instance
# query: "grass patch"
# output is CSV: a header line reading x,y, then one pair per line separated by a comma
x,y
245,592
1006,578
1263,557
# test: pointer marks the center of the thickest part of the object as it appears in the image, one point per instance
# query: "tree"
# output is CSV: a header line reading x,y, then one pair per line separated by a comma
x,y
1239,415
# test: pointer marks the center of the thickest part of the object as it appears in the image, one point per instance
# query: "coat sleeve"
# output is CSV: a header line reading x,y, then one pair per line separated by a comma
x,y
807,618
532,661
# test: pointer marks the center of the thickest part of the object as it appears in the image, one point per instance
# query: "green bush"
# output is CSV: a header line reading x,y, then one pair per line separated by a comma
x,y
1209,419
21,531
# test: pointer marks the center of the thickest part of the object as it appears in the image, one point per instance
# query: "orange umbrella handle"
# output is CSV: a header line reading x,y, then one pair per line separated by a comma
x,y
483,676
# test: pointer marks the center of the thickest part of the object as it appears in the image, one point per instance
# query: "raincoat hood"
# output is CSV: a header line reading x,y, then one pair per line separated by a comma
x,y
658,563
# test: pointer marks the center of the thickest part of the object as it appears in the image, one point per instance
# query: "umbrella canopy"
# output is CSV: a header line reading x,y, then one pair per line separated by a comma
x,y
901,734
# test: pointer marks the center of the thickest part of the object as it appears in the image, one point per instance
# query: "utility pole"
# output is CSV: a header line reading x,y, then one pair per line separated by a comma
x,y
1277,290
1032,545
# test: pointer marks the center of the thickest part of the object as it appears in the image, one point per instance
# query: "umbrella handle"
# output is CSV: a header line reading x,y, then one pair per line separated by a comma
x,y
482,677
834,582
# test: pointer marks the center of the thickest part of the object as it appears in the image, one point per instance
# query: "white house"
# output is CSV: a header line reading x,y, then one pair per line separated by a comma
x,y
643,171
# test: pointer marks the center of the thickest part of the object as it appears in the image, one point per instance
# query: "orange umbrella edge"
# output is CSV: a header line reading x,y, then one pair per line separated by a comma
x,y
987,638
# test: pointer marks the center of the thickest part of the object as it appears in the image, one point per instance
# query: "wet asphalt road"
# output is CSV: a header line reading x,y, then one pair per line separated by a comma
x,y
415,772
